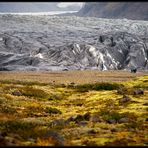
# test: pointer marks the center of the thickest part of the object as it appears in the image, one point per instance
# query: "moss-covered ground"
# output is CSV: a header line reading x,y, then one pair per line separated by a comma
x,y
103,113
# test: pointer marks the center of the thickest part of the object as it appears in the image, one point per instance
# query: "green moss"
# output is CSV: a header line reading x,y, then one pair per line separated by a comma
x,y
2,100
134,125
96,86
28,83
139,82
55,97
13,126
8,110
30,112
33,92
52,110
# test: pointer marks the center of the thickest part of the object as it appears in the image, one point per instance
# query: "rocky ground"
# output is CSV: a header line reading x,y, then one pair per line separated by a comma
x,y
69,42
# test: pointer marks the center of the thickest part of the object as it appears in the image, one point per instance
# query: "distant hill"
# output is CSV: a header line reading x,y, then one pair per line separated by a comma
x,y
129,10
34,7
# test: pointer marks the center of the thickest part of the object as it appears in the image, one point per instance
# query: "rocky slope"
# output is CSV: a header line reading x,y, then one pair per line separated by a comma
x,y
70,42
129,10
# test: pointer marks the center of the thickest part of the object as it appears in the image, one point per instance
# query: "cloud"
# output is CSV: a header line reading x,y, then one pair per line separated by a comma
x,y
66,4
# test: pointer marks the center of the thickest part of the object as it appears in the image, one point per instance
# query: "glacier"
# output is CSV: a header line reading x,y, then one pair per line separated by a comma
x,y
45,42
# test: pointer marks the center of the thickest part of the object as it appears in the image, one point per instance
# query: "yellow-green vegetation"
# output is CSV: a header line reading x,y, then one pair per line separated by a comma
x,y
94,113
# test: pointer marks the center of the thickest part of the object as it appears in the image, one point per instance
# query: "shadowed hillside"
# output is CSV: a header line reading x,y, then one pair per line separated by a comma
x,y
129,10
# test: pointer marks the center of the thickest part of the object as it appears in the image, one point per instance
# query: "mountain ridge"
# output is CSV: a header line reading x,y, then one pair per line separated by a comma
x,y
114,10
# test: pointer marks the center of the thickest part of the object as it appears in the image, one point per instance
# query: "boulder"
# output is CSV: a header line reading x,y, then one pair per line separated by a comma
x,y
78,118
83,123
57,137
95,118
58,122
91,131
138,92
87,116
17,93
124,120
114,130
125,99
111,121
134,70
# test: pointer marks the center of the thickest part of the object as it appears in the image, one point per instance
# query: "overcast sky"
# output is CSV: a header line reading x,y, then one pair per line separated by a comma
x,y
39,6
65,4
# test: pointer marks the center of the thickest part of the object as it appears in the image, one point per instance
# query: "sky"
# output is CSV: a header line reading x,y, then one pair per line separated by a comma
x,y
40,6
65,4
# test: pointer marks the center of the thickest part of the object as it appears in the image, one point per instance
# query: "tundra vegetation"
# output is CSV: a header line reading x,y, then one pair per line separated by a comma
x,y
99,109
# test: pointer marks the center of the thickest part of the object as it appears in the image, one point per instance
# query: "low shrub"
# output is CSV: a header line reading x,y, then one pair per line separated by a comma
x,y
110,115
97,86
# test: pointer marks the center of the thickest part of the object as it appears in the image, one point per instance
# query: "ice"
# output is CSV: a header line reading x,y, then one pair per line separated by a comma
x,y
50,42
